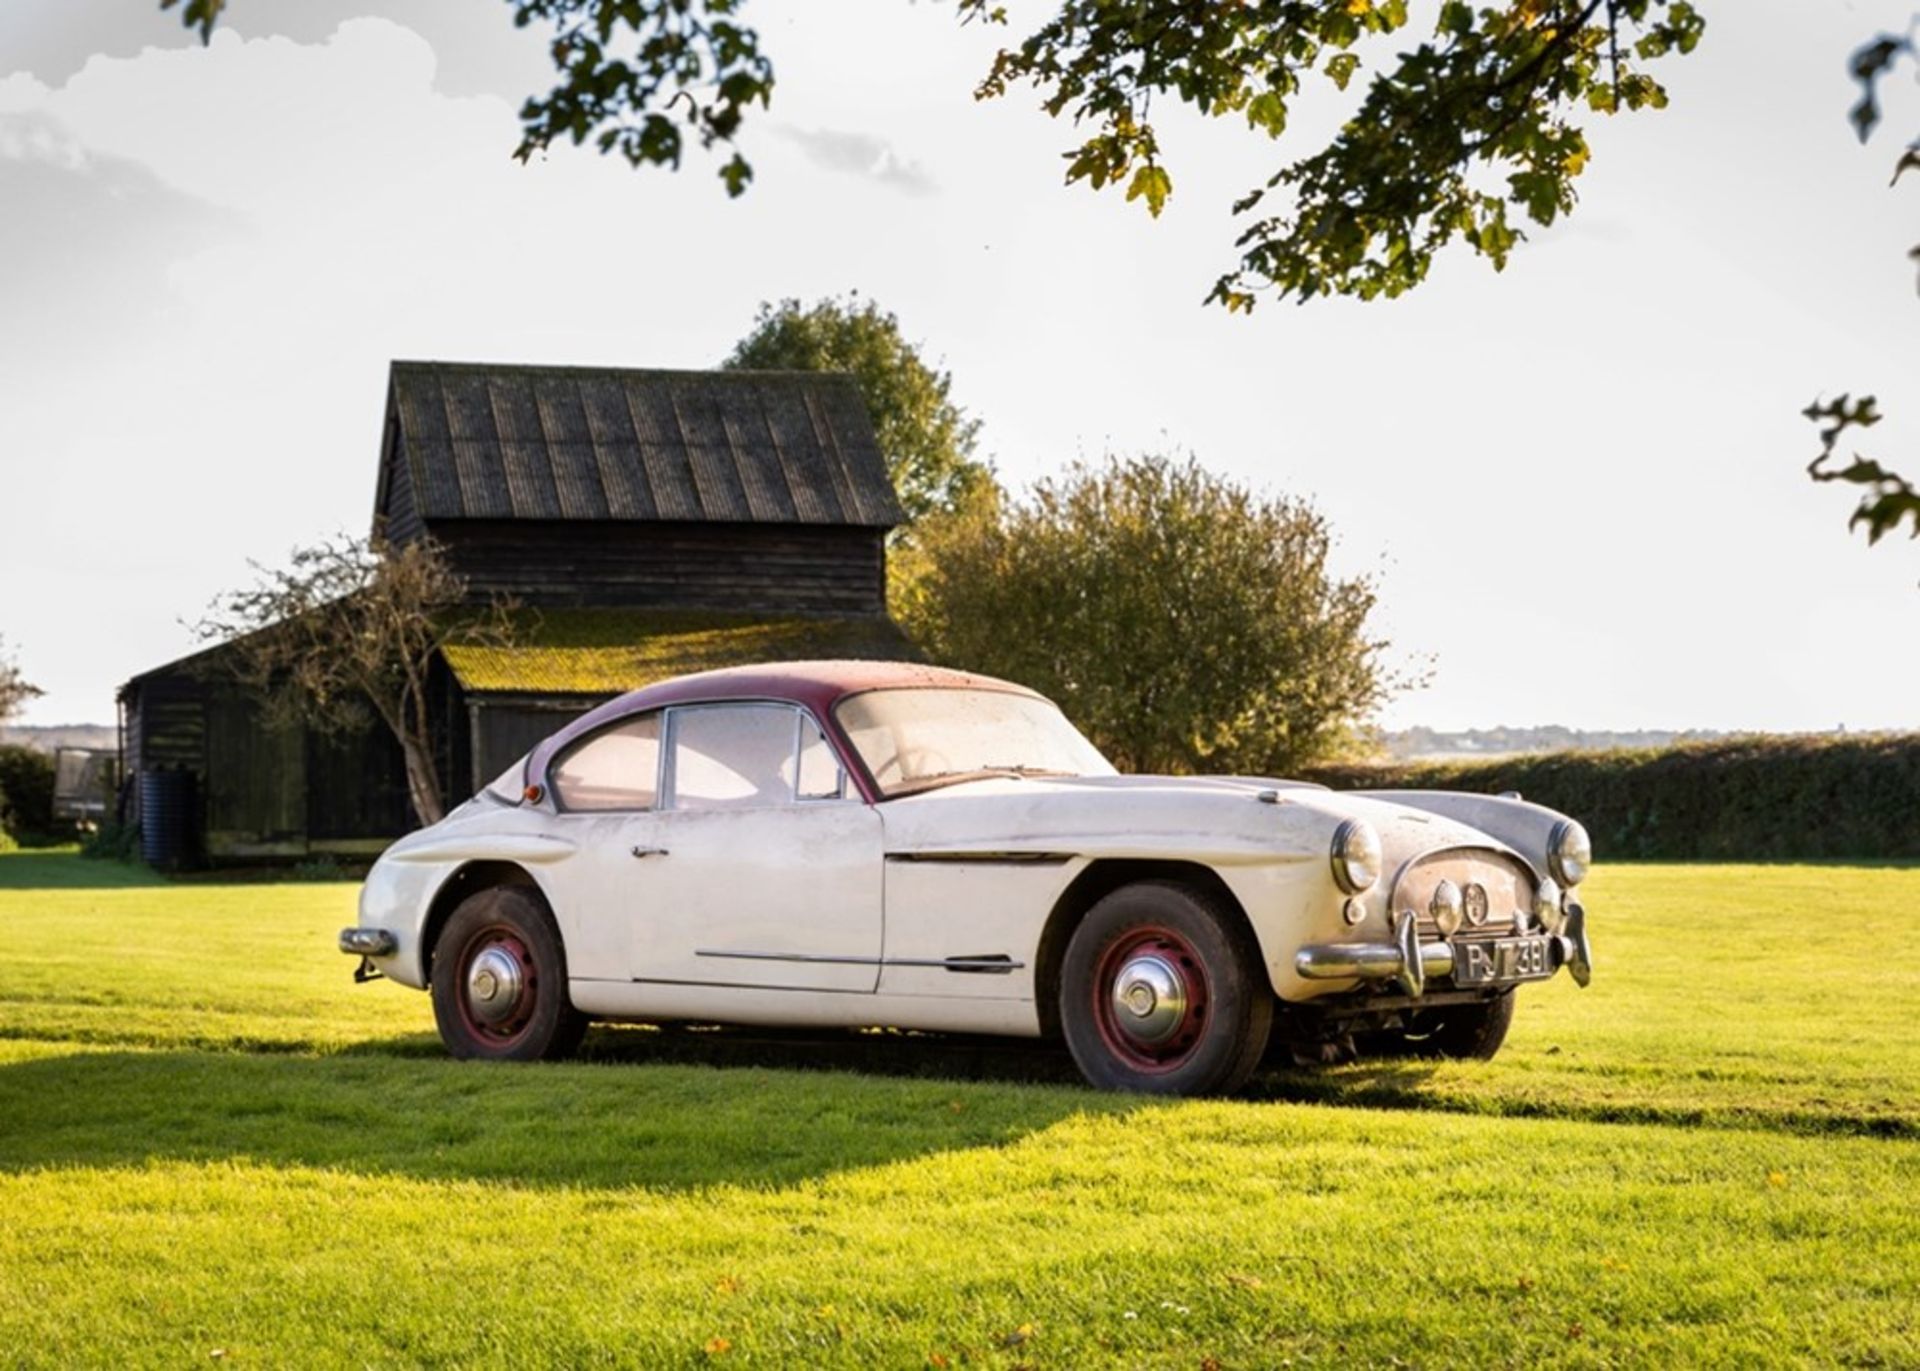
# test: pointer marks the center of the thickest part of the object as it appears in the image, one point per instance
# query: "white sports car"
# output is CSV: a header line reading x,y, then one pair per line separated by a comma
x,y
869,843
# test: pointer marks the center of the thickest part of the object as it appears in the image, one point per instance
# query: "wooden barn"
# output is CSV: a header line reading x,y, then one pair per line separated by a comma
x,y
649,523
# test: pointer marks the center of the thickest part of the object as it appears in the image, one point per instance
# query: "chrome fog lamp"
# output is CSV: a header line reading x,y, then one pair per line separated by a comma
x,y
1569,853
1356,856
1546,905
1447,908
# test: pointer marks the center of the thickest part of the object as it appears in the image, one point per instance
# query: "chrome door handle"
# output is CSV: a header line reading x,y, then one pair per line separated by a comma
x,y
649,852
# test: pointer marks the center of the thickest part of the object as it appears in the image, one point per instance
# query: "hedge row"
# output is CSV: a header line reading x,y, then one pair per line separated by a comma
x,y
1746,799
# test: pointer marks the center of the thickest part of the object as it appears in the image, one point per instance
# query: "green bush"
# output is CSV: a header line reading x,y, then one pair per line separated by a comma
x,y
1745,799
26,783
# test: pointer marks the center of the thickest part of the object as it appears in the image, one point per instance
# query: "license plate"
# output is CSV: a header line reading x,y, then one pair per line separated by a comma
x,y
1501,961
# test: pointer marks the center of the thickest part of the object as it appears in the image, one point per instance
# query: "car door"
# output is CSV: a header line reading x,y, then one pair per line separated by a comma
x,y
606,788
762,868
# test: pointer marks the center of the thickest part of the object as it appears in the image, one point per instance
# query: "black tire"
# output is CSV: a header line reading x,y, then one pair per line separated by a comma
x,y
510,927
1212,1042
1466,1032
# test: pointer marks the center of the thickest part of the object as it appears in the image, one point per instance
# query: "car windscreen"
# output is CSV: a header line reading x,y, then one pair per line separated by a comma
x,y
917,738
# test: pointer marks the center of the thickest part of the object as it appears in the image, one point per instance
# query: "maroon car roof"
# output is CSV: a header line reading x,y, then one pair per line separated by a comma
x,y
816,685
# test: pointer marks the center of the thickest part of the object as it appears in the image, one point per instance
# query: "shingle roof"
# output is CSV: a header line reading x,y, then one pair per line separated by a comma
x,y
608,651
534,442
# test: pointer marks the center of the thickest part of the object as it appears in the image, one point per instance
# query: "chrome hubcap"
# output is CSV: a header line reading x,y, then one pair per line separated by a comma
x,y
1149,999
495,983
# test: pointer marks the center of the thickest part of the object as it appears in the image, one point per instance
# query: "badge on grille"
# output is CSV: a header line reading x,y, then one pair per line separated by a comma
x,y
1474,900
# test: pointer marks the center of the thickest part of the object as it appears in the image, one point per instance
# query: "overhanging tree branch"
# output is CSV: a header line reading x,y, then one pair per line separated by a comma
x,y
1369,211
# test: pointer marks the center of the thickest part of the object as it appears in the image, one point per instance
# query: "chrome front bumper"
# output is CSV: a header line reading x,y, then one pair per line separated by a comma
x,y
1409,962
367,942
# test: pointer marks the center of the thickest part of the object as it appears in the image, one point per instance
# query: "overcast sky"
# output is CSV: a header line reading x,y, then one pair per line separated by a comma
x,y
1579,483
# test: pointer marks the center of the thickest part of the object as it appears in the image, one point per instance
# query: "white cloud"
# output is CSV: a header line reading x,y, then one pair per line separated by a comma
x,y
860,154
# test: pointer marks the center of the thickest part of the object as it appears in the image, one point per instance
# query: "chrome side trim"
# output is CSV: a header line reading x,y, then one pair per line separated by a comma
x,y
986,964
367,942
987,858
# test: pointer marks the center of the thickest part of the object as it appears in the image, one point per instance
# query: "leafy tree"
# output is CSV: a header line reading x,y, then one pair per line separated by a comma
x,y
354,625
15,689
1890,498
1183,622
1454,135
928,440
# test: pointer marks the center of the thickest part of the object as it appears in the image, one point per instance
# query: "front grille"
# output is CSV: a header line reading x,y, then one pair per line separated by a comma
x,y
1507,881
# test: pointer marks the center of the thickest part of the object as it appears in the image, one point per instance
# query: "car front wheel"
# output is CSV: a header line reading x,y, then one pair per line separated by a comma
x,y
1163,992
500,980
1471,1032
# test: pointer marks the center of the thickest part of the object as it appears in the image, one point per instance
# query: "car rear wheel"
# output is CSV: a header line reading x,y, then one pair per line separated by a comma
x,y
500,980
1162,992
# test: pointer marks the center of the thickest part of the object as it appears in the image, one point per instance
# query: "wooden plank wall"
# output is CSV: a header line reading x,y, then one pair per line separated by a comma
x,y
268,792
167,727
507,730
397,501
356,787
256,780
759,567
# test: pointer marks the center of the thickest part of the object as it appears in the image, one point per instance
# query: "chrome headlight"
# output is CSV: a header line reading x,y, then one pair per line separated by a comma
x,y
1356,856
1447,908
1569,853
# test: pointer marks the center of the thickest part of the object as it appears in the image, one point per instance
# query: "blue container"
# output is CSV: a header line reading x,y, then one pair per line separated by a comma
x,y
167,819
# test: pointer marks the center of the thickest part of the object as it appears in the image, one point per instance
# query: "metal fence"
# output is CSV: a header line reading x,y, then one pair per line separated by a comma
x,y
84,780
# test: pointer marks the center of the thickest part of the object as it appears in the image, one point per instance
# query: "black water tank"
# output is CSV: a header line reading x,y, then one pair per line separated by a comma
x,y
167,838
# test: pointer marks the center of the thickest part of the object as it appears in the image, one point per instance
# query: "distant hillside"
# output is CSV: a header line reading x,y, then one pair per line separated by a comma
x,y
47,737
1427,744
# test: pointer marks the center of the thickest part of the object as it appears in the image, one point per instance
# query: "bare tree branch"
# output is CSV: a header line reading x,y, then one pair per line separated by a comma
x,y
351,627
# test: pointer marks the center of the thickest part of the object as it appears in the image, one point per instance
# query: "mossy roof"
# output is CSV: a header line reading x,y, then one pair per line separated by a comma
x,y
607,651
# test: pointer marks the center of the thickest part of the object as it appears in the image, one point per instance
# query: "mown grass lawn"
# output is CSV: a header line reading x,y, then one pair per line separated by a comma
x,y
211,1142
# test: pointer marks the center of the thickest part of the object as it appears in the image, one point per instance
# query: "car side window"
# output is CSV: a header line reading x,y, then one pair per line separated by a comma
x,y
614,769
821,777
733,756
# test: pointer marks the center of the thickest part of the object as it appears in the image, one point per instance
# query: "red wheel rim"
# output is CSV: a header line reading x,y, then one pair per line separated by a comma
x,y
1151,998
496,986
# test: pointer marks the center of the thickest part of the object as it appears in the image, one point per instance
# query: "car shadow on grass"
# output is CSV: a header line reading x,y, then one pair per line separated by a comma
x,y
678,1125
666,1109
868,1052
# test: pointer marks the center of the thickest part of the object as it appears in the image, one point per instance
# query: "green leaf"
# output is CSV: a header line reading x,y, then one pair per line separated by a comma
x,y
1154,184
1268,110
